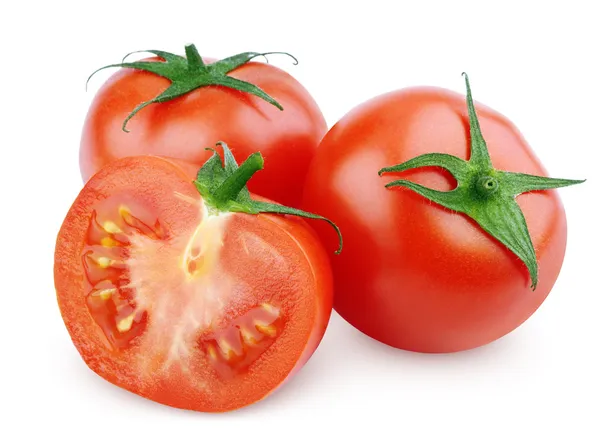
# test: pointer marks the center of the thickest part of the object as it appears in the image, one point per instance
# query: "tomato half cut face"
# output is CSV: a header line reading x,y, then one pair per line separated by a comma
x,y
197,311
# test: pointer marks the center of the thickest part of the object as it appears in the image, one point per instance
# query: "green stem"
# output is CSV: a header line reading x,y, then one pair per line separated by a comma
x,y
232,186
193,57
486,186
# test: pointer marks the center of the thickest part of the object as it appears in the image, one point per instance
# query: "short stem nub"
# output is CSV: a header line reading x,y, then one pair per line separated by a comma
x,y
232,186
193,57
486,185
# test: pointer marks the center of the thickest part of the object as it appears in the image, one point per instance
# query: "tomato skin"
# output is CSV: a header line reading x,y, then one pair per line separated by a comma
x,y
415,275
184,127
156,180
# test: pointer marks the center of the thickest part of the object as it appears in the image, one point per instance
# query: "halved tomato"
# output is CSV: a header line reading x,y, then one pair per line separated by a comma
x,y
180,301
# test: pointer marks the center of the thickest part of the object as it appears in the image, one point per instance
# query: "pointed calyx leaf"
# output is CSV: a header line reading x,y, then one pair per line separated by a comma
x,y
223,188
190,72
483,193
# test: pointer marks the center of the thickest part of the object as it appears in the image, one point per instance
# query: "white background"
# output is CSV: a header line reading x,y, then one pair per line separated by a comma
x,y
536,62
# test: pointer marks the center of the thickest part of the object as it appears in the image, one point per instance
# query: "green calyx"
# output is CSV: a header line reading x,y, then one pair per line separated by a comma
x,y
223,188
190,72
483,193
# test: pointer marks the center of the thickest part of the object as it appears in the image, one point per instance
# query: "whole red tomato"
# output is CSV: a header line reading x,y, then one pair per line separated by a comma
x,y
195,294
434,271
189,104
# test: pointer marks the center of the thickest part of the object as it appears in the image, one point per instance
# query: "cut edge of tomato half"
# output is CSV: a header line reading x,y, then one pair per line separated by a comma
x,y
189,309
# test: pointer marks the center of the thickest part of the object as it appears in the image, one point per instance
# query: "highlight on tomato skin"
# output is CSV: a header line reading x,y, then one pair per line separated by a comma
x,y
192,308
439,255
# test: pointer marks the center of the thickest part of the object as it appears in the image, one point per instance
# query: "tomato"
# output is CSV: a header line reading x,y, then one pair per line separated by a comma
x,y
415,274
181,301
183,126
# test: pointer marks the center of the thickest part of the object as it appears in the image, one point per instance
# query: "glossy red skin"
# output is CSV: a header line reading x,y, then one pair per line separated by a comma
x,y
415,275
184,127
308,293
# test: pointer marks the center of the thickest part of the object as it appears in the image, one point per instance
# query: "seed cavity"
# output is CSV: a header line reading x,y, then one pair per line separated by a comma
x,y
110,300
233,349
155,232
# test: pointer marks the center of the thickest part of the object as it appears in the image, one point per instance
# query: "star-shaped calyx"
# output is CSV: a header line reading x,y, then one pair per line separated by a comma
x,y
223,186
483,193
190,72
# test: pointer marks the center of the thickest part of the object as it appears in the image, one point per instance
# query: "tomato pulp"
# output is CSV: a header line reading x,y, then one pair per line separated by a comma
x,y
201,311
414,274
183,127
